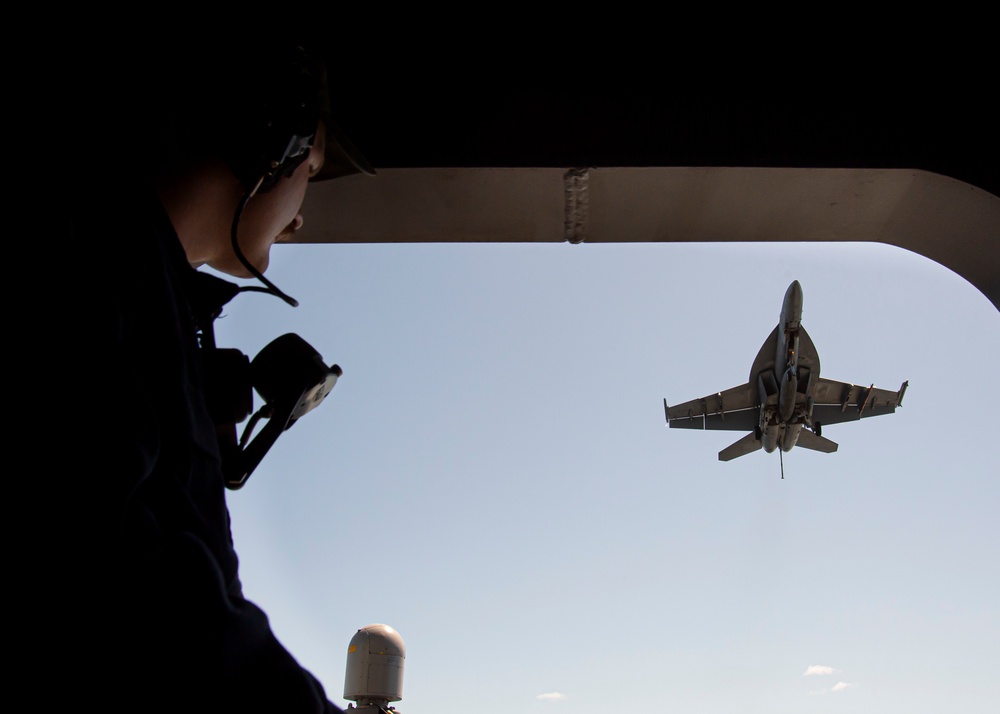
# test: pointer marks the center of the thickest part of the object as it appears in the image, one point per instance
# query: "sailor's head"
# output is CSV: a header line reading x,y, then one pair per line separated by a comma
x,y
266,115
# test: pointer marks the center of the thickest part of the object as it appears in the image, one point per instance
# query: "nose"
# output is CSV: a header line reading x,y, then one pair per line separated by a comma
x,y
290,229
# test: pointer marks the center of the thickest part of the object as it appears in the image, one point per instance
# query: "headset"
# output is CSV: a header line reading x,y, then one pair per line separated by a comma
x,y
275,133
279,118
269,141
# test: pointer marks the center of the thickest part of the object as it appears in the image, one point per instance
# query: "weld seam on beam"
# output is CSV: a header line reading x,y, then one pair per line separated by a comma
x,y
577,208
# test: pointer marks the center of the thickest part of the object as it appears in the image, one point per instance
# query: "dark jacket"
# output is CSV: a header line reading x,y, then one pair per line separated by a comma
x,y
144,605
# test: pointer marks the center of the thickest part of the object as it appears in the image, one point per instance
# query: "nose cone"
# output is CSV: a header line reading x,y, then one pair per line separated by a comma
x,y
791,308
794,293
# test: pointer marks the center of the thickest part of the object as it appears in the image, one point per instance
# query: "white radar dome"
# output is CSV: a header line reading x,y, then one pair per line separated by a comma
x,y
375,660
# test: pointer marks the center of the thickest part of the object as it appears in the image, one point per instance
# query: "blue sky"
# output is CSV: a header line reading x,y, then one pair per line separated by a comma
x,y
492,476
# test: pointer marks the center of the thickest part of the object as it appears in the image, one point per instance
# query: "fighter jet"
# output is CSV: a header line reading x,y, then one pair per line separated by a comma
x,y
785,403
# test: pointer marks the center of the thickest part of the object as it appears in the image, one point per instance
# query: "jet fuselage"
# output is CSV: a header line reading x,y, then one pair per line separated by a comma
x,y
782,429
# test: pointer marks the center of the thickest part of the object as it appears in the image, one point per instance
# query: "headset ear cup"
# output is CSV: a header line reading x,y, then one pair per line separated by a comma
x,y
282,110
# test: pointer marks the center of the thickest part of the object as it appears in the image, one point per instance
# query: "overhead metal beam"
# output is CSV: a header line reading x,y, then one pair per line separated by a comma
x,y
947,220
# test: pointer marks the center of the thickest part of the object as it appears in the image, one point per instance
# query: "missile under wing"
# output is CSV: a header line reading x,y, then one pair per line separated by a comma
x,y
785,401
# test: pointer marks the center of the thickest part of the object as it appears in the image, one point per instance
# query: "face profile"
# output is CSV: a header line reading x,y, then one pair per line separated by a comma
x,y
272,216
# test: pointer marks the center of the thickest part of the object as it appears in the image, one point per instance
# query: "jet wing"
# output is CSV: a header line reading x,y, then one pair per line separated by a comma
x,y
835,402
731,410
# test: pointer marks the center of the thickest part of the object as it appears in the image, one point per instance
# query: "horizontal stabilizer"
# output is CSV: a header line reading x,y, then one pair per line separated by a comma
x,y
747,444
809,440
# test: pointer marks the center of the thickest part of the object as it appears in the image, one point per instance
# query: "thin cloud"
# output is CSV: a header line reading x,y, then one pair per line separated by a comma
x,y
817,669
551,696
838,687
